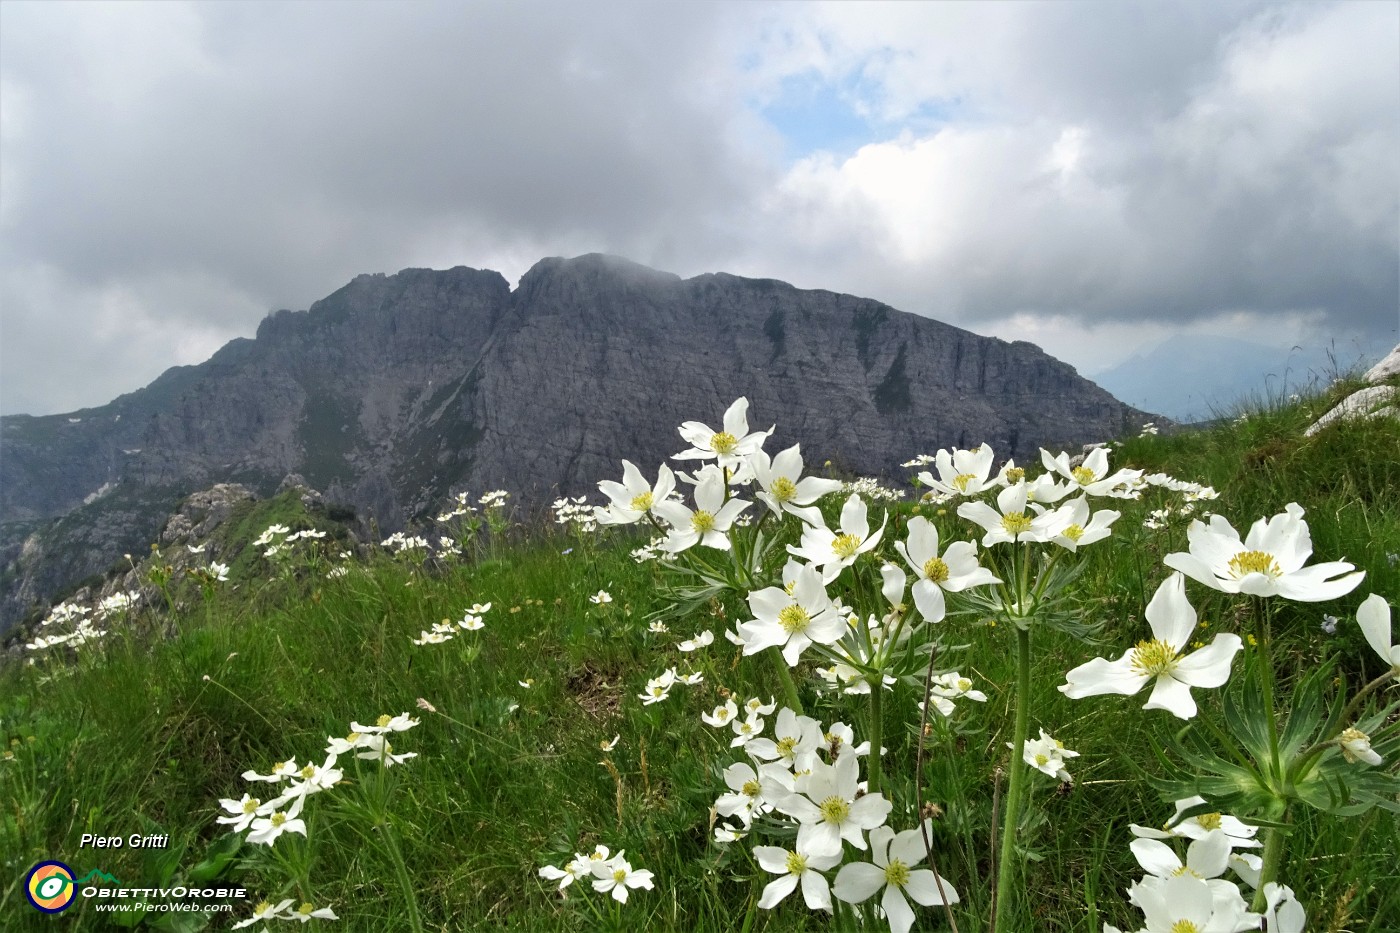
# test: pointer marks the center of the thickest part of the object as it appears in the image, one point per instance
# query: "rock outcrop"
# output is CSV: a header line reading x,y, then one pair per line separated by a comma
x,y
1374,401
397,390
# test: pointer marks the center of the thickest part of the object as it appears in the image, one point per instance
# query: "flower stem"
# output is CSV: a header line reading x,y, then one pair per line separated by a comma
x,y
401,871
875,774
1266,674
1015,788
789,685
1274,839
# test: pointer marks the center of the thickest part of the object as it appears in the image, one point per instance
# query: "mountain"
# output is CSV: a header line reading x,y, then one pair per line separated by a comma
x,y
1196,378
395,391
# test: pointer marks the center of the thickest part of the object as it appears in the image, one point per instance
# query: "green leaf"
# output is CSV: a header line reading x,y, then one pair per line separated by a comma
x,y
217,859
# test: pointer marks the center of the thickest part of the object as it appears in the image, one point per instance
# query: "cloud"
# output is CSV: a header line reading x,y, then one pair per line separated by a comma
x,y
171,172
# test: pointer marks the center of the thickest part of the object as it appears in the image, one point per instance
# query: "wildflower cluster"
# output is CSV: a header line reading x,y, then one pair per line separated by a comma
x,y
610,874
267,821
445,630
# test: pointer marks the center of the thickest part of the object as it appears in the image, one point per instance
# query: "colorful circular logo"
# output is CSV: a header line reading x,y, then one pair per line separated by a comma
x,y
50,887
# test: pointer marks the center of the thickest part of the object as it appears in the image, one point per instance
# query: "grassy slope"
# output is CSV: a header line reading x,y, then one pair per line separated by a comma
x,y
160,732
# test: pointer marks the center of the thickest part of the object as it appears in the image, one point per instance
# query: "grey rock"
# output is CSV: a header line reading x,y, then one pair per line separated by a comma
x,y
396,389
1390,366
1371,402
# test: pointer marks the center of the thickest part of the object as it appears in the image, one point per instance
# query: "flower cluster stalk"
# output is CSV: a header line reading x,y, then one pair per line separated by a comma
x,y
1016,786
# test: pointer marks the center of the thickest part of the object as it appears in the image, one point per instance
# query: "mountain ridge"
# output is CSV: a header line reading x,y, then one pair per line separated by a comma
x,y
395,390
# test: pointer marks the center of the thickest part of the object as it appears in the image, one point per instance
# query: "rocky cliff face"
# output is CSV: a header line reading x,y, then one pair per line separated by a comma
x,y
396,390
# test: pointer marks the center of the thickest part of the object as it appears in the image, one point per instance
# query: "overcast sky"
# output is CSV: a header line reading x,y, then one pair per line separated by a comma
x,y
1092,177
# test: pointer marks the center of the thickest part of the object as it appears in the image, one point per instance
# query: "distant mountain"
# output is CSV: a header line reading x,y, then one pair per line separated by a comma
x,y
396,391
1196,378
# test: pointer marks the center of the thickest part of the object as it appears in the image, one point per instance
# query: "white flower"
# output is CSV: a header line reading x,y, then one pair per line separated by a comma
x,y
609,746
1374,616
783,491
1356,746
219,572
266,911
1008,522
1269,562
377,748
265,830
691,679
703,640
617,876
893,857
307,911
1047,754
1092,475
1239,834
721,715
827,803
657,627
1206,857
795,868
747,797
1282,911
432,638
280,772
634,497
757,707
1074,527
580,866
1160,658
956,570
824,548
313,780
1185,903
728,447
960,472
792,619
472,623
241,812
400,723
478,609
600,598
796,739
354,740
709,522
746,731
658,688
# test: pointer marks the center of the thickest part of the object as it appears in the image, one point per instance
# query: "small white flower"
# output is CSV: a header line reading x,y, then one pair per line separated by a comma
x,y
266,830
1356,746
601,598
721,715
703,640
795,867
617,876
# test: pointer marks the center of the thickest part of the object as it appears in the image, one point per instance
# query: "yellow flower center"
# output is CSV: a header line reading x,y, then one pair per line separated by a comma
x,y
262,909
1184,926
794,619
308,772
721,714
383,721
784,489
278,819
305,909
1153,657
1187,870
1209,821
1247,562
845,546
835,810
936,570
1015,475
897,873
353,737
1352,734
1082,475
1041,759
724,443
643,502
964,684
702,521
619,875
962,479
1016,523
787,746
751,789
796,863
251,805
1074,532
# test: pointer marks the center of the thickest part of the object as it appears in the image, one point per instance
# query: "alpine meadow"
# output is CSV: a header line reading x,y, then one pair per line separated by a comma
x,y
1151,688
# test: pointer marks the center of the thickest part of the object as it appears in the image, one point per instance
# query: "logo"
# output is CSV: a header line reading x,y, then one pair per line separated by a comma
x,y
50,887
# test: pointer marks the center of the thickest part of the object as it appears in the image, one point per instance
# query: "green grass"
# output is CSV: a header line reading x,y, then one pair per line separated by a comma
x,y
151,730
